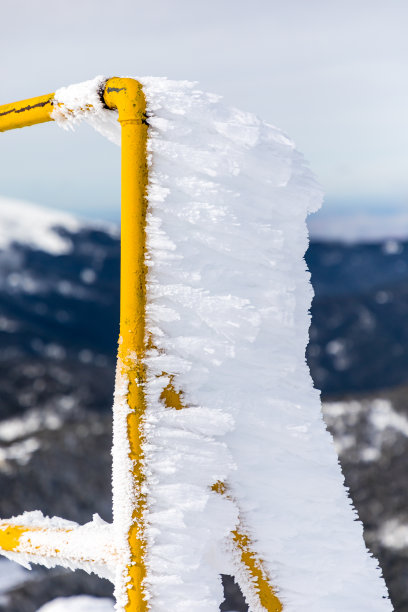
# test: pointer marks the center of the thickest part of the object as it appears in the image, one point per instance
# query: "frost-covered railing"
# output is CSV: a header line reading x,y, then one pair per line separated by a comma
x,y
118,551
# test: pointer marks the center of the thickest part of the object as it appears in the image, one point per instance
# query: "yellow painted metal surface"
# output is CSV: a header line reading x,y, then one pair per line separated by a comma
x,y
10,536
27,112
170,397
127,96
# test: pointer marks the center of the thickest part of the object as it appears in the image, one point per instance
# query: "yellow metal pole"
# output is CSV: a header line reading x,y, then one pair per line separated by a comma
x,y
26,112
127,96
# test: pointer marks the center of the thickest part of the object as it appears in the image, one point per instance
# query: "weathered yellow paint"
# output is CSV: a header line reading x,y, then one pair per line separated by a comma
x,y
126,95
10,536
170,397
27,112
64,550
257,573
251,562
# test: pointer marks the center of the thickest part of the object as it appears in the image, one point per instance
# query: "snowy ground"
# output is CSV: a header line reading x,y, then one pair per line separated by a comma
x,y
81,603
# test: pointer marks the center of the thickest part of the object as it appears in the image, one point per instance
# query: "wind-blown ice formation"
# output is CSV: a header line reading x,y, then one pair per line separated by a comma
x,y
227,306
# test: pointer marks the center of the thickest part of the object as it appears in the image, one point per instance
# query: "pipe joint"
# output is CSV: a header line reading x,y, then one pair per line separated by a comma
x,y
127,97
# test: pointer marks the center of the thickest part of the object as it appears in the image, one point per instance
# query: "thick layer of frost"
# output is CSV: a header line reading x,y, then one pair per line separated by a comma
x,y
228,299
227,306
83,101
56,541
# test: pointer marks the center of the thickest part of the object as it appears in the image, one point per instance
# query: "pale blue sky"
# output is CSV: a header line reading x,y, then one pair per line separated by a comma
x,y
332,74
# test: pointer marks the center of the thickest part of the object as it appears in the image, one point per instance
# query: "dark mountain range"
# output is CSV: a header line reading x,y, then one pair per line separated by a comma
x,y
59,323
359,329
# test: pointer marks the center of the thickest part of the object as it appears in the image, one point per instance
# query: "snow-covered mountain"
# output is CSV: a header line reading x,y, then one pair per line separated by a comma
x,y
59,282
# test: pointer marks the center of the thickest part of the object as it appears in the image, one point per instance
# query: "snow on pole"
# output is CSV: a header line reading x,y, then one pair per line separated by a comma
x,y
240,474
34,538
227,312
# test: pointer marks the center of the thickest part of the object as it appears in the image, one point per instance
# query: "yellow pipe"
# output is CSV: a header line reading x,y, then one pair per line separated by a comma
x,y
58,544
27,112
127,96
